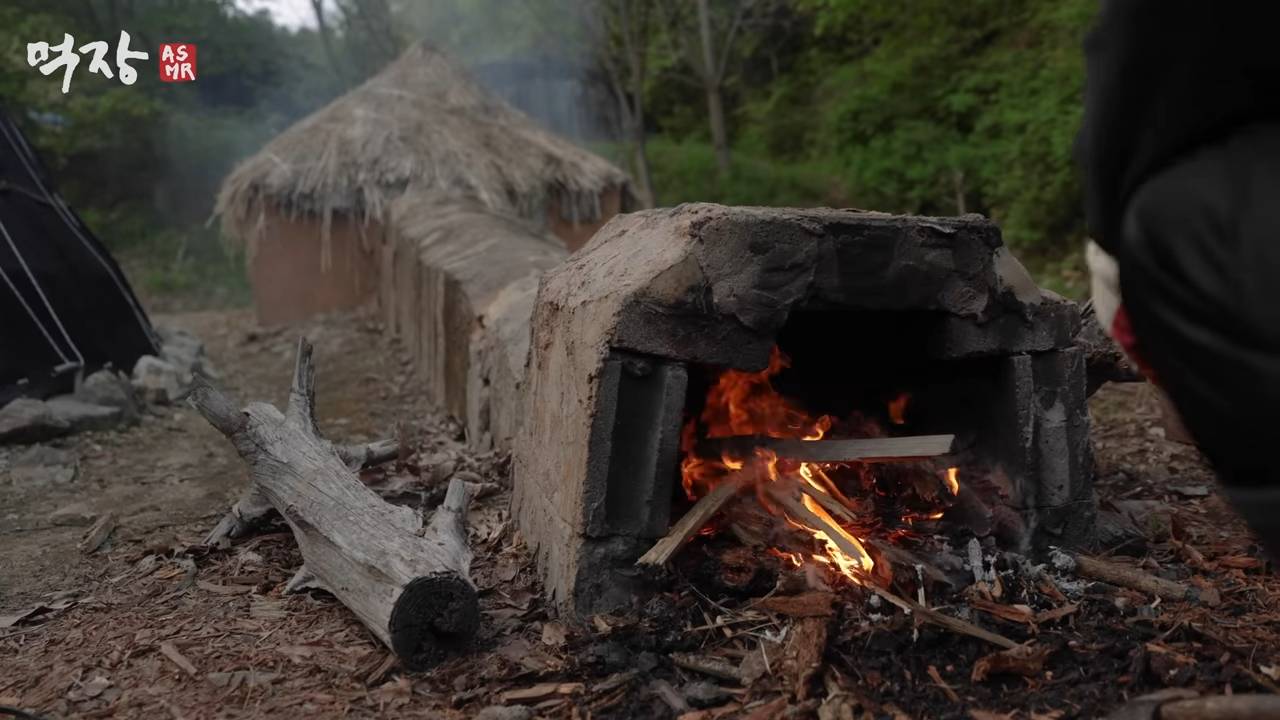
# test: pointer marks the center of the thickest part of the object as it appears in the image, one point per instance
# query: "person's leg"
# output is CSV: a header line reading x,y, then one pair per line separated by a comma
x,y
1200,277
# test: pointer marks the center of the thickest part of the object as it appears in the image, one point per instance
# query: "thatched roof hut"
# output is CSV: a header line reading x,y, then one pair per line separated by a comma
x,y
420,124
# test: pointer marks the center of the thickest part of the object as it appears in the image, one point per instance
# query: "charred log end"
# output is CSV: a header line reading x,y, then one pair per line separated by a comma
x,y
434,616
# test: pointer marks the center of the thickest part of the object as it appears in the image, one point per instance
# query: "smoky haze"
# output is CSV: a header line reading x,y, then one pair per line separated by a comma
x,y
538,55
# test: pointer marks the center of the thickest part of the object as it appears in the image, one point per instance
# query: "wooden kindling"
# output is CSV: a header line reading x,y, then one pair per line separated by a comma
x,y
788,494
889,449
895,449
408,583
693,521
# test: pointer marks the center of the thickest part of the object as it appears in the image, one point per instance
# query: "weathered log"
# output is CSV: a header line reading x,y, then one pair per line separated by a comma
x,y
252,509
868,450
366,455
409,584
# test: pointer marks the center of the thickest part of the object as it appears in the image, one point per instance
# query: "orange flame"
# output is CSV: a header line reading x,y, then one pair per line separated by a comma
x,y
745,404
898,409
953,483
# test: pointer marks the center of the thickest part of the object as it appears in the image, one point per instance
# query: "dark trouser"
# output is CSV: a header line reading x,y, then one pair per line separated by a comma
x,y
1200,277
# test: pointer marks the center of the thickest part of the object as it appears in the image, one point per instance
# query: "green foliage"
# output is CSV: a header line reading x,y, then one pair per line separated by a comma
x,y
922,106
685,171
960,107
926,106
186,269
142,163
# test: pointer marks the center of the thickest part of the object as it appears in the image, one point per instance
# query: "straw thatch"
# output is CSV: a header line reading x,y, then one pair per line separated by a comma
x,y
423,125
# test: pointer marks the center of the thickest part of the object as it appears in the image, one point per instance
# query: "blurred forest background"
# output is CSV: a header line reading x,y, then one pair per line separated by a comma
x,y
923,106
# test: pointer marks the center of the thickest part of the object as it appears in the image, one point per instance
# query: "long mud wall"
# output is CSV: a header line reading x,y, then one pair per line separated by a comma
x,y
457,285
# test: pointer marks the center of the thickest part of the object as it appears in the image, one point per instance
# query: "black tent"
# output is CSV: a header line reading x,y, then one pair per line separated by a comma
x,y
65,307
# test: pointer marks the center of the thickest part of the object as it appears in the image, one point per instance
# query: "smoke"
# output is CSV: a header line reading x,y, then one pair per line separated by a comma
x,y
537,55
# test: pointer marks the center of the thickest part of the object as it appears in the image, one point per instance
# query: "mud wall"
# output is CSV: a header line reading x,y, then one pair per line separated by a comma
x,y
290,280
458,286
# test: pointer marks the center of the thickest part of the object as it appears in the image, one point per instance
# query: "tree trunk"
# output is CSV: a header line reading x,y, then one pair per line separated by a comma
x,y
644,179
636,44
957,183
409,584
711,80
326,38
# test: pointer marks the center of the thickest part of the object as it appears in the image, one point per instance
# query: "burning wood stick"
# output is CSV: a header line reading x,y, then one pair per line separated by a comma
x,y
409,584
841,450
787,496
693,521
897,555
833,506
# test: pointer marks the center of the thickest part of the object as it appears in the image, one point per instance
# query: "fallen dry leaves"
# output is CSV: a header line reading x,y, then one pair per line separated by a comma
x,y
1025,660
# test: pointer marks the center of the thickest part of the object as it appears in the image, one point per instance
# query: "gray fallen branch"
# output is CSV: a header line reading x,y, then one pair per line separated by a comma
x,y
252,510
409,584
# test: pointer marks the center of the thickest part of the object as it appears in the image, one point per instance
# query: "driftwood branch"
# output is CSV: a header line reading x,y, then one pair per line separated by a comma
x,y
409,584
369,454
252,510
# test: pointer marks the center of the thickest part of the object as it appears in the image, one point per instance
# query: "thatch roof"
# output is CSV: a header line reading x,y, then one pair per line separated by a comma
x,y
423,125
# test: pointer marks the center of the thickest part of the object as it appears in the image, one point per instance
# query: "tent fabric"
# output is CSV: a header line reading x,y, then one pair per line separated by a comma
x,y
65,306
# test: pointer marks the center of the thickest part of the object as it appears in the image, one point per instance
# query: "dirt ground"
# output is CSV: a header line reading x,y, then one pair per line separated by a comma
x,y
171,475
154,625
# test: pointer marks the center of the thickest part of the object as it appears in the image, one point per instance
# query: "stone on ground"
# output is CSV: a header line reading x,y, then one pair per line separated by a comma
x,y
26,420
185,352
156,380
41,465
110,389
82,416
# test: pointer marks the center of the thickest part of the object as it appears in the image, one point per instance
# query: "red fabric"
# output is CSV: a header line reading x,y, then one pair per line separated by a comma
x,y
1122,331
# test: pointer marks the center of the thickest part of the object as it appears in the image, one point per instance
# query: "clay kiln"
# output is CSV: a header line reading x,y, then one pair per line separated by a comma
x,y
629,334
